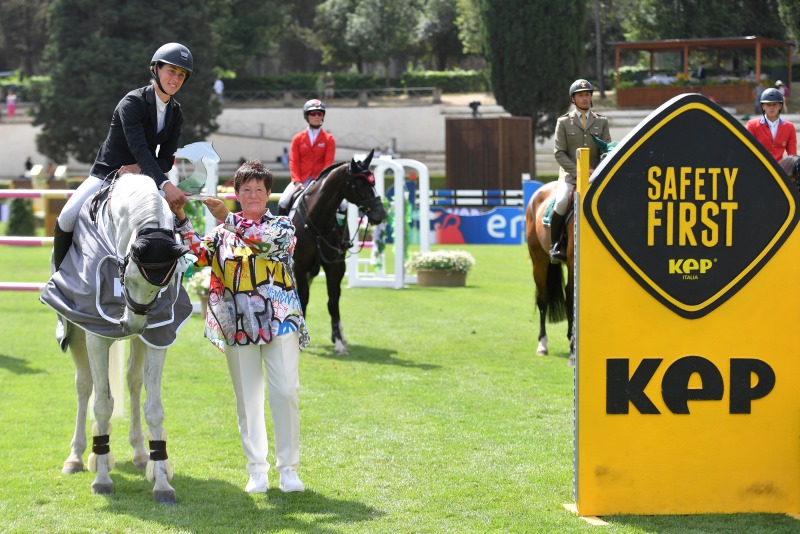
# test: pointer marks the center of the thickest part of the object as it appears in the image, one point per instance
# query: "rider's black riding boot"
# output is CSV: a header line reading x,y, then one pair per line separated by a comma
x,y
62,241
557,253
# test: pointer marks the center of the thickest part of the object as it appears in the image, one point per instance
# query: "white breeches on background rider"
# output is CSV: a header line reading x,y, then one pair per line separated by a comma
x,y
564,192
291,188
280,358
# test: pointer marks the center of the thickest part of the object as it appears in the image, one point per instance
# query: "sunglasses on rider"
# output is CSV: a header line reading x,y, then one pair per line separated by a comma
x,y
315,113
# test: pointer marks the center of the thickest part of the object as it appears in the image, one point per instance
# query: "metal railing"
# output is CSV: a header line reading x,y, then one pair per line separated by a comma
x,y
360,97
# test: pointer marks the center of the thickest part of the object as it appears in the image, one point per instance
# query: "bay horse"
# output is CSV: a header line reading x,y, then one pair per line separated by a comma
x,y
320,241
140,247
554,299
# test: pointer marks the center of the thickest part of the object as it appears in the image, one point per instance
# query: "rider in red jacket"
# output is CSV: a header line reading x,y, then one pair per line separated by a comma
x,y
312,150
777,135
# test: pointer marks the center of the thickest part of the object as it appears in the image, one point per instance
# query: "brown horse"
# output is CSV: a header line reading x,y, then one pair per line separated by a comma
x,y
553,298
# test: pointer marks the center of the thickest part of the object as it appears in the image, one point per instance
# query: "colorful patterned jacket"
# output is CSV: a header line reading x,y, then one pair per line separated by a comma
x,y
252,296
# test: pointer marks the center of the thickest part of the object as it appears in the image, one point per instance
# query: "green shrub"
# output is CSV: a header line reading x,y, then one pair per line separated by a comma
x,y
21,221
450,81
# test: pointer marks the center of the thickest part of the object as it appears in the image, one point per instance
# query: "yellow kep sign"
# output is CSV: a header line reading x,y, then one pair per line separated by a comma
x,y
687,307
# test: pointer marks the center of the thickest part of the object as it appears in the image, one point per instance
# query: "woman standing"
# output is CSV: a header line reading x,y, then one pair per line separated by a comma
x,y
255,317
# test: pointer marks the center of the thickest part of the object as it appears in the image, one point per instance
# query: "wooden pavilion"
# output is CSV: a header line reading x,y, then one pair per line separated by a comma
x,y
685,46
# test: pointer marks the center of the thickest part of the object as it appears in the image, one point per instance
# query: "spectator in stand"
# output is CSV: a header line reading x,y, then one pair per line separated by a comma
x,y
329,83
701,71
11,103
784,89
777,135
320,87
219,89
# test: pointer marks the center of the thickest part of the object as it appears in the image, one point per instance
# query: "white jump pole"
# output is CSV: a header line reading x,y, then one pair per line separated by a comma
x,y
424,201
398,279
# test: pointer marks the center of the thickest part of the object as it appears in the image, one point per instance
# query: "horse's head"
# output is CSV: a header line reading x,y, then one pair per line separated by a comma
x,y
361,190
148,267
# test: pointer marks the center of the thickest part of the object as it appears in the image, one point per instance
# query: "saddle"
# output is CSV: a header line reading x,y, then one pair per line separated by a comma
x,y
547,216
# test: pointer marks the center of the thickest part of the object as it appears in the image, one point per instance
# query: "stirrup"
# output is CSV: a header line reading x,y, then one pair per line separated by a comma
x,y
557,255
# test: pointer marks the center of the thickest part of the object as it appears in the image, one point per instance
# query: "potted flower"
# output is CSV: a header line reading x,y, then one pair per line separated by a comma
x,y
199,285
441,267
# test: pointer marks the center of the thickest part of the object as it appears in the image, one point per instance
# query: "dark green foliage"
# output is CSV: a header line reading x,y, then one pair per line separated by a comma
x,y
455,81
535,51
99,51
789,12
21,221
451,81
682,19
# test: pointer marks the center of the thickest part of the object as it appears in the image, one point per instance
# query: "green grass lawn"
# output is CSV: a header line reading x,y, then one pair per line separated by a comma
x,y
441,419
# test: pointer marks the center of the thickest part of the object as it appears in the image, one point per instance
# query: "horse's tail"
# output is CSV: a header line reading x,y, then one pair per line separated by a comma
x,y
556,300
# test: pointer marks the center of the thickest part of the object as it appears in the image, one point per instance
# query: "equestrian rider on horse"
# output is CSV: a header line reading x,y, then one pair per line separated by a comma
x,y
574,130
312,150
143,120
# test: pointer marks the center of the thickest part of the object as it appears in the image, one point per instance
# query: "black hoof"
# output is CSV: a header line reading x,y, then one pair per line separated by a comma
x,y
165,497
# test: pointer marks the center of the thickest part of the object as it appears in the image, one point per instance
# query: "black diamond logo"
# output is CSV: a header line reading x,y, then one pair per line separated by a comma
x,y
691,205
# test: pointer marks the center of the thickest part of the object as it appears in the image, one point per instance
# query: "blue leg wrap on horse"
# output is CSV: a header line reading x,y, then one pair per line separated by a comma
x,y
158,450
100,444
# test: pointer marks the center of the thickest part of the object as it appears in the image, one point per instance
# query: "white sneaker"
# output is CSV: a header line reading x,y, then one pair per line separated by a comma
x,y
290,481
258,483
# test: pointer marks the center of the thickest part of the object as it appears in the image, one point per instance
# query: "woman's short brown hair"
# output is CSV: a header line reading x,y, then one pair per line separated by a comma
x,y
252,170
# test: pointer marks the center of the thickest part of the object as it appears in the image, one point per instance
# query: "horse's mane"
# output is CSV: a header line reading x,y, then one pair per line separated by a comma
x,y
143,200
789,165
327,170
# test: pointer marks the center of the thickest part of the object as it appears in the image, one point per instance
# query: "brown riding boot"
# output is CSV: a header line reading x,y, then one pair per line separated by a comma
x,y
557,252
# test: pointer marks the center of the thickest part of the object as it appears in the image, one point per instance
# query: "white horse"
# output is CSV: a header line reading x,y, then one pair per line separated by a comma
x,y
138,224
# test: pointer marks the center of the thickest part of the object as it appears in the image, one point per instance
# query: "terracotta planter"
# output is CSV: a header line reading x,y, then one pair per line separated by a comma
x,y
433,277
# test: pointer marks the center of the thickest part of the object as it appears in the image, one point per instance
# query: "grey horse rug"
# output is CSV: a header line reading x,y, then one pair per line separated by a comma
x,y
86,290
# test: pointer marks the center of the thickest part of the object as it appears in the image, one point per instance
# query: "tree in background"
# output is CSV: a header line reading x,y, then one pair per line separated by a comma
x,y
361,31
330,24
789,12
245,29
99,51
23,34
534,50
682,19
438,33
468,22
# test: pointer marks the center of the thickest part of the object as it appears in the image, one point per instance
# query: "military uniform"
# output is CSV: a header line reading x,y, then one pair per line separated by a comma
x,y
570,136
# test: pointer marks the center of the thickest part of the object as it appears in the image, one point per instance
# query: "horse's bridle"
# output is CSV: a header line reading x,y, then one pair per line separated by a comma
x,y
161,281
364,207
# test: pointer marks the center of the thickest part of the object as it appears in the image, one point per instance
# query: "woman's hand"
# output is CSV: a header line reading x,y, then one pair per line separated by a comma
x,y
217,208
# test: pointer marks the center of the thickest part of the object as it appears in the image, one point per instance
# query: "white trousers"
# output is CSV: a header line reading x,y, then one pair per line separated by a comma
x,y
69,213
286,195
563,197
280,358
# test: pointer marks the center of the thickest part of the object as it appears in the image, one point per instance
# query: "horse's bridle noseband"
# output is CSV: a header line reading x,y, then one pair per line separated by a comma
x,y
161,281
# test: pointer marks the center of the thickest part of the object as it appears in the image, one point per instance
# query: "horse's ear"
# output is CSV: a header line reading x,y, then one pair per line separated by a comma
x,y
369,159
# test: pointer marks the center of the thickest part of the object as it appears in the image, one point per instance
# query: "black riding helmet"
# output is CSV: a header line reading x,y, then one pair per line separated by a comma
x,y
173,54
313,105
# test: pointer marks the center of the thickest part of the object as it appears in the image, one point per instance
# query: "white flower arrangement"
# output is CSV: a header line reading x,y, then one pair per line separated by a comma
x,y
441,260
200,282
